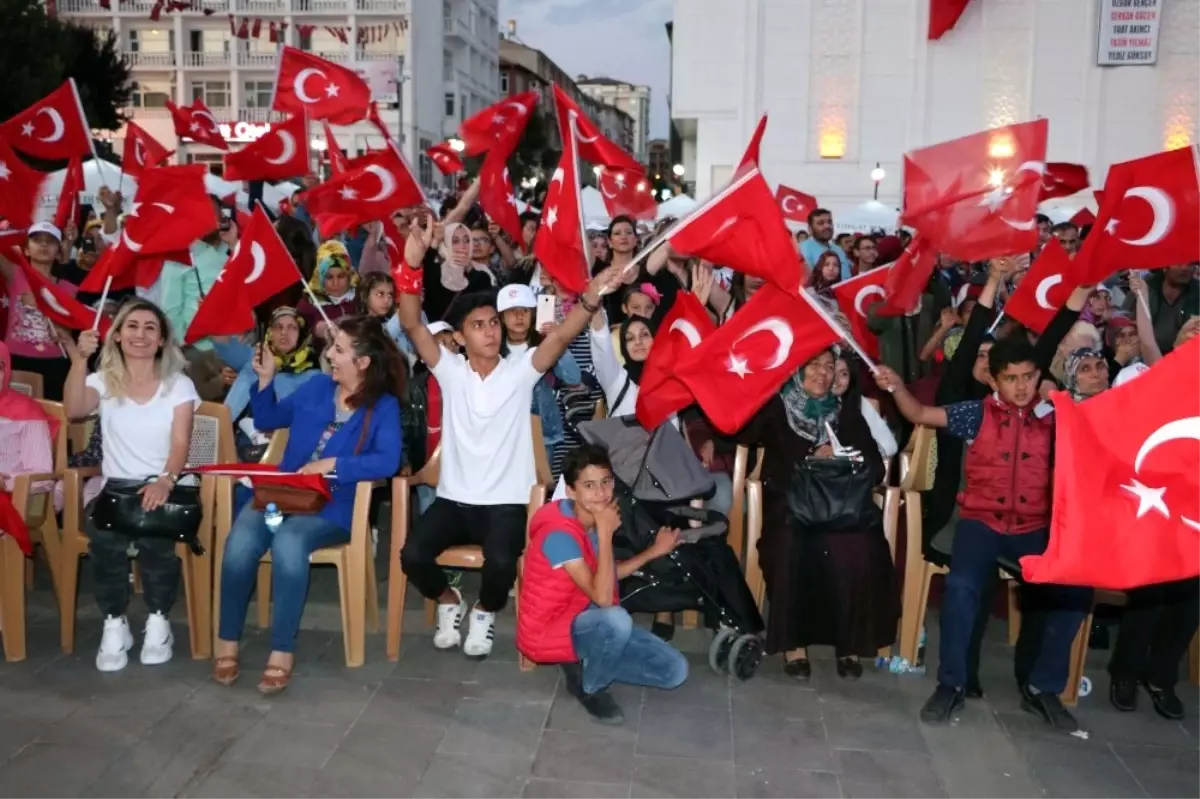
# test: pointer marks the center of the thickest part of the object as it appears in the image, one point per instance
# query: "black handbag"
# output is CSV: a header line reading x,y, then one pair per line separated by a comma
x,y
833,495
119,509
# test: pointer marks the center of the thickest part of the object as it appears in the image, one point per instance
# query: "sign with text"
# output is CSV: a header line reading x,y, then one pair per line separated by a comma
x,y
1128,32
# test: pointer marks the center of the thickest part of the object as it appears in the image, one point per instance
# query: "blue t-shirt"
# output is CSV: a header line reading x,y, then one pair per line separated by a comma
x,y
560,548
812,250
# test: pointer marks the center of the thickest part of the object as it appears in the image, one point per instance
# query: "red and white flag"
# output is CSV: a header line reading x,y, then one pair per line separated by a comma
x,y
196,123
55,304
259,268
364,194
742,228
337,158
560,245
445,158
267,474
309,86
499,126
738,368
795,205
496,198
908,277
594,146
53,128
627,192
68,196
279,154
20,187
751,156
142,151
975,198
660,392
1063,180
1044,289
855,298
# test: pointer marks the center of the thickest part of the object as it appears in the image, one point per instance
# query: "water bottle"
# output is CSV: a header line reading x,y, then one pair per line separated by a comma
x,y
273,517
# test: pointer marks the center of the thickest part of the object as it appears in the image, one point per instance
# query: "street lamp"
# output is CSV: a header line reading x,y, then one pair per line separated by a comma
x,y
458,145
596,170
877,175
318,144
678,170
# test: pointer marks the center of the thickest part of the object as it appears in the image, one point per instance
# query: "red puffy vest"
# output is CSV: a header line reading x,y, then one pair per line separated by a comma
x,y
549,600
1008,474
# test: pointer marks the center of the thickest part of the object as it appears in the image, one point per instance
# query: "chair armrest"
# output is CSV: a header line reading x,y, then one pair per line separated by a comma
x,y
360,522
73,480
23,489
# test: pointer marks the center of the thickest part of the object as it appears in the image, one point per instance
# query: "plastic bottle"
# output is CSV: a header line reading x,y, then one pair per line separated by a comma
x,y
273,517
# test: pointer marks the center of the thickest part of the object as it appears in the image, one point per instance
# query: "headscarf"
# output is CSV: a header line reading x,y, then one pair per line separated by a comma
x,y
632,367
807,414
301,359
332,254
1115,326
454,275
16,406
1071,370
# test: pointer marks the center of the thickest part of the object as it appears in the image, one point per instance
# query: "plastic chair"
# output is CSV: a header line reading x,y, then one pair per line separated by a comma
x,y
30,384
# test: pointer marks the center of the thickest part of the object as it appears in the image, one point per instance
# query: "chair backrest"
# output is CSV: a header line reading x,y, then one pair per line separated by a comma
x,y
601,410
541,461
918,475
274,453
212,436
28,383
887,462
79,433
428,474
741,461
55,409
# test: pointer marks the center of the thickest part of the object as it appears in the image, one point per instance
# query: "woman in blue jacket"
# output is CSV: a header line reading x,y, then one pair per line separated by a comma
x,y
346,424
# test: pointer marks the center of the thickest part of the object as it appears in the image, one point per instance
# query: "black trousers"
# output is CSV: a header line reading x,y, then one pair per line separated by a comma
x,y
499,529
160,568
1156,628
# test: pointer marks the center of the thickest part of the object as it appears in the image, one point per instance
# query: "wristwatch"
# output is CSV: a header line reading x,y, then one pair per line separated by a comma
x,y
174,478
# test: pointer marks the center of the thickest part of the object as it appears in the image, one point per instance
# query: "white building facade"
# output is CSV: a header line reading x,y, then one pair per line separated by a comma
x,y
849,83
632,99
401,46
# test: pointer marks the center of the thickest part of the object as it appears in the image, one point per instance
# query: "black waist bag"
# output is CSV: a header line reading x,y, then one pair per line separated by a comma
x,y
832,495
119,509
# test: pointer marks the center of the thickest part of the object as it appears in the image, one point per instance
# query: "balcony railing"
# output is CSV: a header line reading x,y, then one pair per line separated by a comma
x,y
82,7
368,55
256,58
259,115
151,60
143,112
263,6
194,59
382,6
322,6
342,57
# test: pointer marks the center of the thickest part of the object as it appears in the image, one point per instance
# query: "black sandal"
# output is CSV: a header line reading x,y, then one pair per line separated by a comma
x,y
799,669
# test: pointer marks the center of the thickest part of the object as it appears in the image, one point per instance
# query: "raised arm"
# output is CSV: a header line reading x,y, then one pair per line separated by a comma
x,y
1059,326
554,345
910,407
408,288
1139,295
464,204
80,400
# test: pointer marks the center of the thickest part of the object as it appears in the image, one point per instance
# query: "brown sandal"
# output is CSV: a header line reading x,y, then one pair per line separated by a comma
x,y
274,679
225,670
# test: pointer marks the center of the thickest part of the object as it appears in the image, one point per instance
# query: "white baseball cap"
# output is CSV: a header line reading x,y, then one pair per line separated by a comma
x,y
438,327
45,227
515,295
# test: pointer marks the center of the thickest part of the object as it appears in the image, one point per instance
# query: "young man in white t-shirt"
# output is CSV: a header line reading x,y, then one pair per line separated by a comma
x,y
487,466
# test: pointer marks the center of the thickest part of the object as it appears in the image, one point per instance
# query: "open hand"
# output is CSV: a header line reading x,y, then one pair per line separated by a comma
x,y
702,281
665,541
322,466
155,494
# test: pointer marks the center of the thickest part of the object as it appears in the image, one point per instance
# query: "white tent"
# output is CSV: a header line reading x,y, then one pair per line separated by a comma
x,y
593,206
866,217
678,206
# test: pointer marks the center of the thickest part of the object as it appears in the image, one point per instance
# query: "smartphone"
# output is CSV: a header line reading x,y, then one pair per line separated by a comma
x,y
546,304
226,218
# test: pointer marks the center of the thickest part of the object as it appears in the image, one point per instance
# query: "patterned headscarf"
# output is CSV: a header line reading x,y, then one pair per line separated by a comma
x,y
301,359
807,414
330,255
1071,370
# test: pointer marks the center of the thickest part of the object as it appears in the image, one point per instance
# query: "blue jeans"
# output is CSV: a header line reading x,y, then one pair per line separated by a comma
x,y
290,545
972,563
612,649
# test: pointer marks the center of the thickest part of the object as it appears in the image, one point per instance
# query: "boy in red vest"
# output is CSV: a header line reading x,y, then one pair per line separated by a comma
x,y
1004,511
570,611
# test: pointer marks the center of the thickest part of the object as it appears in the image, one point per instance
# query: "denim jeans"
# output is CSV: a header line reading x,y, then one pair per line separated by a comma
x,y
972,562
290,545
612,648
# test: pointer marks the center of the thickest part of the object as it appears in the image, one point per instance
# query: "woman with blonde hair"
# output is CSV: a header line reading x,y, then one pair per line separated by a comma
x,y
145,402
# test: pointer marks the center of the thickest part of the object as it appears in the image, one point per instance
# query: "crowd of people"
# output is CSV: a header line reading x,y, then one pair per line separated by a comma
x,y
376,367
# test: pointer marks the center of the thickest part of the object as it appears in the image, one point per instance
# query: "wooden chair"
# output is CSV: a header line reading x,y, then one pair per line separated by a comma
x,y
541,461
358,590
30,384
212,443
916,475
37,510
737,510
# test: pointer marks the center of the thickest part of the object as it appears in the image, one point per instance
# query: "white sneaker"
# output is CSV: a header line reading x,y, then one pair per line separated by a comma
x,y
157,641
480,635
449,617
114,644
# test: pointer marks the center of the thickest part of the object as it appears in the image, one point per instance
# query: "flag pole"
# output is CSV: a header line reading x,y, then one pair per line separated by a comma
x,y
996,324
86,127
100,305
845,334
579,196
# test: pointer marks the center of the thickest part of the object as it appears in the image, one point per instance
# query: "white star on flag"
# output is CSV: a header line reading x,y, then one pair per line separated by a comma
x,y
551,217
348,193
331,90
27,129
620,178
4,171
996,197
739,365
1110,227
1148,499
195,127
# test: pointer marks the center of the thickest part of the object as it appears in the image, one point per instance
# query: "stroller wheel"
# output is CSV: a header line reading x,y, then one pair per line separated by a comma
x,y
744,657
718,650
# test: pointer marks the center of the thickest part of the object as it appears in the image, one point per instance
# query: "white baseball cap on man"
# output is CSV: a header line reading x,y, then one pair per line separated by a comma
x,y
515,295
49,228
439,327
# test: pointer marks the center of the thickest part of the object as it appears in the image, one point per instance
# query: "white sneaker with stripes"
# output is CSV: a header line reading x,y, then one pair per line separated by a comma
x,y
480,634
449,617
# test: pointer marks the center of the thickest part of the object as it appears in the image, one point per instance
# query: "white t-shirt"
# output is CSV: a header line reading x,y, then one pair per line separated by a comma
x,y
487,435
137,438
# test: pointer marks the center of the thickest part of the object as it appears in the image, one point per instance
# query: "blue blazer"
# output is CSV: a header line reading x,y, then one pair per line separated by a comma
x,y
307,412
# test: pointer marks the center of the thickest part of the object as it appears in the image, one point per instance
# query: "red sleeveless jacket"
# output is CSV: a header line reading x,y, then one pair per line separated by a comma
x,y
1008,473
549,600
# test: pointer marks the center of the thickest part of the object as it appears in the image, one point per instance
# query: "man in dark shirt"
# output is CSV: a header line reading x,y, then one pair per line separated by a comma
x,y
1174,298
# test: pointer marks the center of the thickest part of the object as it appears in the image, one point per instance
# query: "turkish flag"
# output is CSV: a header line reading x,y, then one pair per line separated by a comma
x,y
1063,180
627,192
309,86
499,126
55,304
1044,289
12,523
53,128
560,245
1127,482
279,154
259,268
266,474
20,186
445,158
170,211
68,196
142,151
943,15
741,228
855,298
393,241
795,205
594,147
908,277
1082,217
736,370
751,157
196,123
337,158
660,393
1149,217
496,197
975,198
364,194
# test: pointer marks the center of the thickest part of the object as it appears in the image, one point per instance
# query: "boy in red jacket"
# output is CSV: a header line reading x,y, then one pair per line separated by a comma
x,y
570,611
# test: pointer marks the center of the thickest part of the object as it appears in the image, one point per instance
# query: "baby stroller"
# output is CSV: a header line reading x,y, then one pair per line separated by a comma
x,y
657,478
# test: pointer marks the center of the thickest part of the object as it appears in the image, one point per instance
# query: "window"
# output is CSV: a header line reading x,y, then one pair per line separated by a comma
x,y
150,96
462,107
133,41
504,83
305,42
425,169
447,65
450,104
213,93
257,93
196,41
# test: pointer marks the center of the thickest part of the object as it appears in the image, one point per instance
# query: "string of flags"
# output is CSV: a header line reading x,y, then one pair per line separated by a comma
x,y
254,27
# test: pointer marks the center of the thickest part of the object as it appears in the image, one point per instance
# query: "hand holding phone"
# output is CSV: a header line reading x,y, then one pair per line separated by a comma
x,y
545,310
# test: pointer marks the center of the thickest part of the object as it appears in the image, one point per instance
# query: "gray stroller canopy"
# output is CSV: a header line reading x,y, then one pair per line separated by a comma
x,y
658,467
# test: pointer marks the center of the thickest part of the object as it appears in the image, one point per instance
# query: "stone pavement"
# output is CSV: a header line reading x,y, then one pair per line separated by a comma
x,y
436,724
